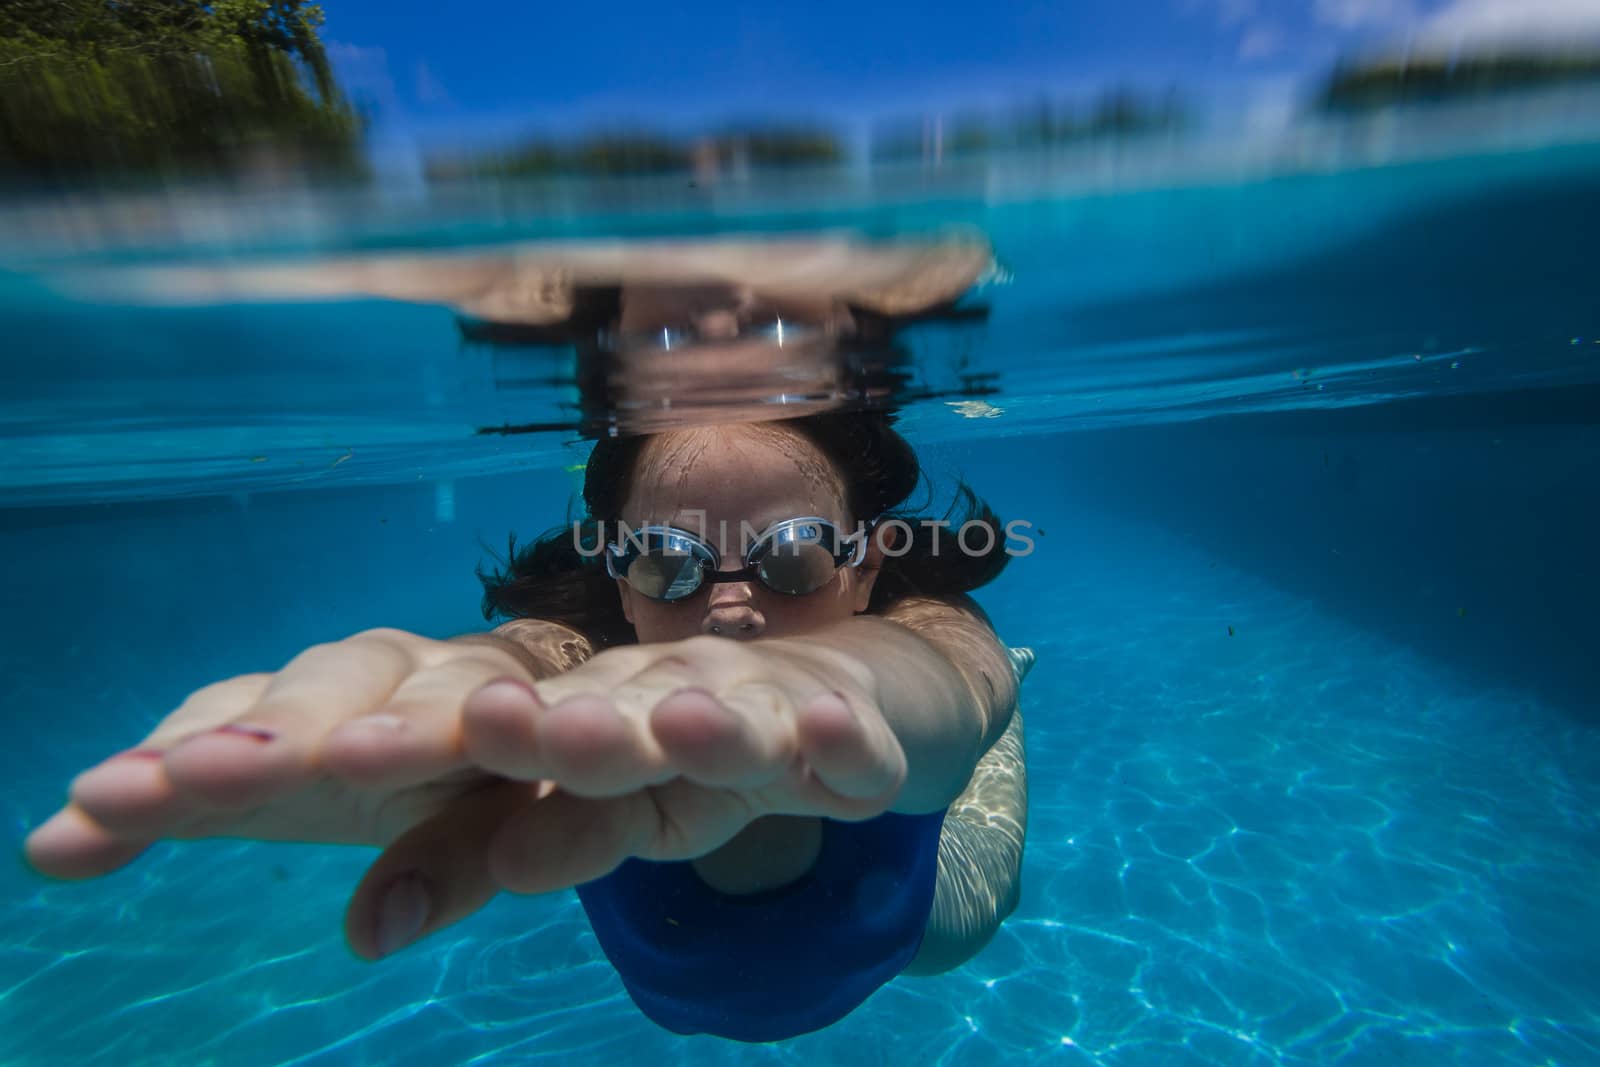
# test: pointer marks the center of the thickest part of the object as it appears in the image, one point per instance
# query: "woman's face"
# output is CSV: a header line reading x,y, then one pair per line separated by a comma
x,y
708,480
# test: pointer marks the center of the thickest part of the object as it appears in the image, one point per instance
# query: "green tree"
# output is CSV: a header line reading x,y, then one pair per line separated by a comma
x,y
164,87
1364,85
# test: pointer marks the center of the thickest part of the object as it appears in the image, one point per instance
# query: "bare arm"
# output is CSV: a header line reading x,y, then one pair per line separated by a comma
x,y
942,680
985,828
980,859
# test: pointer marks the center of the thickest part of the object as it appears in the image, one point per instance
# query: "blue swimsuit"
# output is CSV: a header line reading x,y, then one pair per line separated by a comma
x,y
771,965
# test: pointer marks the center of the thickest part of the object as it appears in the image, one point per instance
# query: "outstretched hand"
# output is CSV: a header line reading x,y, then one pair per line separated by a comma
x,y
474,776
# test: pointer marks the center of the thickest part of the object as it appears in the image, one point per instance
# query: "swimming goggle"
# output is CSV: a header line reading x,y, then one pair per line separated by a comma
x,y
793,557
774,330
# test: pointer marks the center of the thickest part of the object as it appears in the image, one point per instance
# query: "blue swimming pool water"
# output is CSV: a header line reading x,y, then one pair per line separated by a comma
x,y
1313,740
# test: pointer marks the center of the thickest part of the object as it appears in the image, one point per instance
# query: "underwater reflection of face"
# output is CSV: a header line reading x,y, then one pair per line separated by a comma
x,y
717,478
693,355
668,316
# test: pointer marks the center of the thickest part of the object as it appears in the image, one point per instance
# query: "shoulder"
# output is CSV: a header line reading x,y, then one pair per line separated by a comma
x,y
562,647
949,607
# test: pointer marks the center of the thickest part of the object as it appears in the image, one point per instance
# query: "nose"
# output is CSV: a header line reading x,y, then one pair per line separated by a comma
x,y
720,325
732,613
721,322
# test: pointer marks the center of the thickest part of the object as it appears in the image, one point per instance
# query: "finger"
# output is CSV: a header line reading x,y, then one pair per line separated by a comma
x,y
583,741
499,729
744,738
129,795
208,708
589,729
71,845
417,734
564,840
594,750
499,721
600,742
132,795
845,755
273,745
434,875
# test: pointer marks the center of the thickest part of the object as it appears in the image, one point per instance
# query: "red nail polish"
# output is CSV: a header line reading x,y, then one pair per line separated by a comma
x,y
143,753
257,733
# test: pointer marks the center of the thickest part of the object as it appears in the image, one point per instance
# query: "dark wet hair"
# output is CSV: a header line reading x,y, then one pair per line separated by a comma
x,y
551,579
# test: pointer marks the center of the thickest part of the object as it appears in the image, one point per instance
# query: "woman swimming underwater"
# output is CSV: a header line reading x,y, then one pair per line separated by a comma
x,y
746,708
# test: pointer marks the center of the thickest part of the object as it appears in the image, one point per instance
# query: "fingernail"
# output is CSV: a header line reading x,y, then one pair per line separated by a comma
x,y
143,753
402,911
381,721
514,688
257,733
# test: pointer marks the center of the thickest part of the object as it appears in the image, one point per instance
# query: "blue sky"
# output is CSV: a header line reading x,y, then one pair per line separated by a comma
x,y
492,70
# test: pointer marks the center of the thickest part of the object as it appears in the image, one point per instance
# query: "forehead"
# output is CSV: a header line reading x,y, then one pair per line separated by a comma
x,y
691,297
758,474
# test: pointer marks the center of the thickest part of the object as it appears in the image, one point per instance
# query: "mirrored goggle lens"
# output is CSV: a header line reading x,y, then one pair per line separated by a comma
x,y
796,568
663,574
